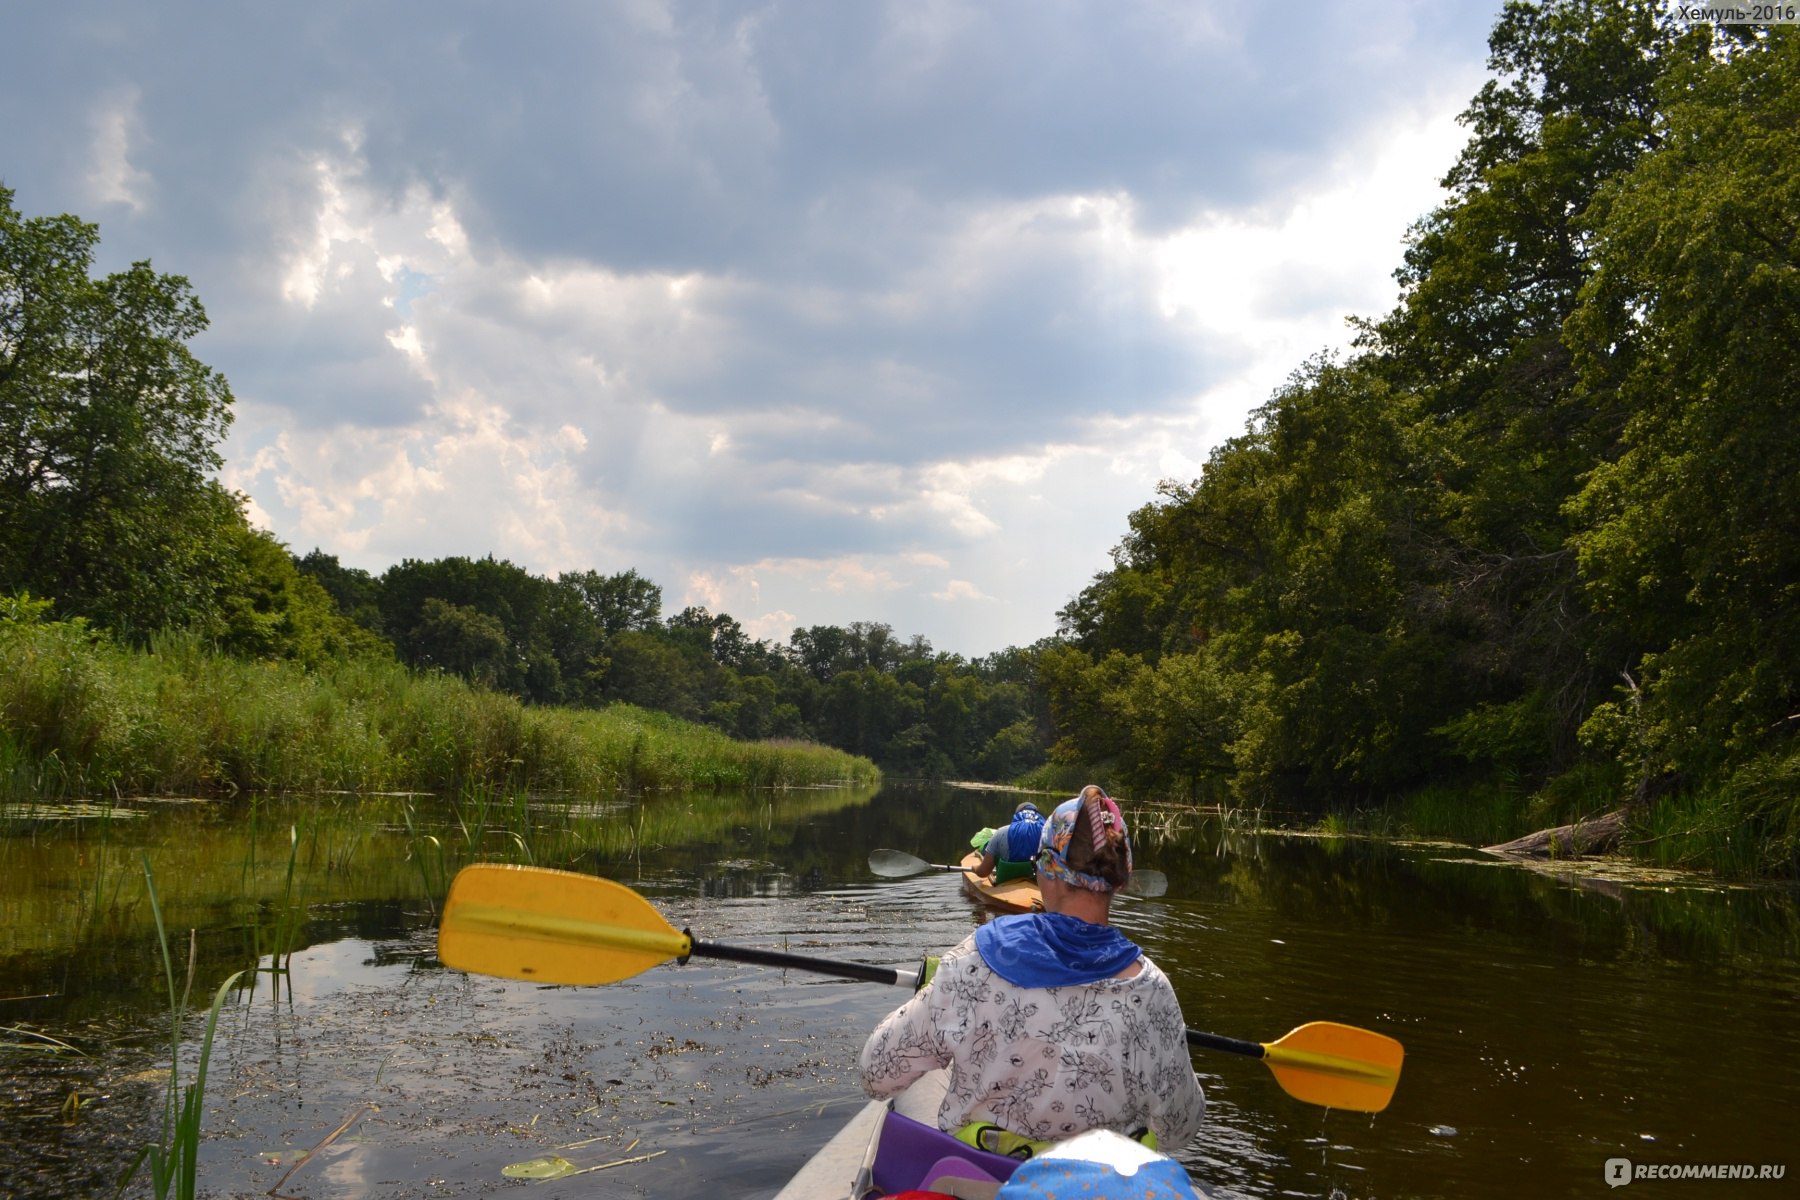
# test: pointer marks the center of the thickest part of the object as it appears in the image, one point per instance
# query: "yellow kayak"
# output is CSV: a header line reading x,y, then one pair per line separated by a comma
x,y
1013,896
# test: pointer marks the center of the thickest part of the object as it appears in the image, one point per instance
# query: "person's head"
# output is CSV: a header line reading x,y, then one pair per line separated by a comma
x,y
1084,843
1026,806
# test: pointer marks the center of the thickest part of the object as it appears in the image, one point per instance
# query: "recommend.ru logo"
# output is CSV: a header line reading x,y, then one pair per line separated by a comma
x,y
1621,1171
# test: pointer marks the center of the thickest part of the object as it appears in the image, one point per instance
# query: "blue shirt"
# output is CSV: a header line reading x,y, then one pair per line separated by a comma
x,y
998,847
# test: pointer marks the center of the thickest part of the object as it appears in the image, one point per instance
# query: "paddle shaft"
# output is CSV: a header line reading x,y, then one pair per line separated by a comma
x,y
1213,1041
866,972
894,864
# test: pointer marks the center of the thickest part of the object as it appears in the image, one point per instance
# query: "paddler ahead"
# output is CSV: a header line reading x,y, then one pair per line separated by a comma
x,y
1052,1023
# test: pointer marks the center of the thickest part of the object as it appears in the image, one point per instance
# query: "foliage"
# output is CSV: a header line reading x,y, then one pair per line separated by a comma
x,y
108,432
1534,544
1691,538
588,640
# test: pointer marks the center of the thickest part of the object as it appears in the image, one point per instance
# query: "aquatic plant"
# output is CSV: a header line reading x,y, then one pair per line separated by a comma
x,y
174,1158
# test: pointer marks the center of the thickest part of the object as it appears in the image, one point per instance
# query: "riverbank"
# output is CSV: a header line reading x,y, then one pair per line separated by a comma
x,y
1743,828
81,715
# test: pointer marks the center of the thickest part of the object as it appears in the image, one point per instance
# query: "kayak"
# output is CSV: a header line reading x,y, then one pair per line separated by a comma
x,y
1013,896
894,1146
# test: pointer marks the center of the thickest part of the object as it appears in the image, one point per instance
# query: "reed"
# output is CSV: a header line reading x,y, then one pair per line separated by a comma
x,y
82,715
1747,825
174,1158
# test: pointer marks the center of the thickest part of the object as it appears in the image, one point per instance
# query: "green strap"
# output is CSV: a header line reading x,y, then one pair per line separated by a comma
x,y
995,1140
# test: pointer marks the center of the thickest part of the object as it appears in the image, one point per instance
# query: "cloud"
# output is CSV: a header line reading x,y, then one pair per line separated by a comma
x,y
960,589
811,313
113,178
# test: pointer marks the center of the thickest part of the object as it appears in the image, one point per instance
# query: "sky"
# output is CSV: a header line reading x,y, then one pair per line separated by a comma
x,y
810,312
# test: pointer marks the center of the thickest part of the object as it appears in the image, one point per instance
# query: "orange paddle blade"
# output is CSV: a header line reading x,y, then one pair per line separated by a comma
x,y
1337,1066
552,927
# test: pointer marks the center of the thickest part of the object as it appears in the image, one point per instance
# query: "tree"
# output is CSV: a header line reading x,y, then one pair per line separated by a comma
x,y
268,608
1692,321
109,427
465,642
618,602
357,593
555,639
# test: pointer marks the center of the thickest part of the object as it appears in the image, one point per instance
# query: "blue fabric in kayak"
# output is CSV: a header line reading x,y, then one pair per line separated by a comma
x,y
1045,950
1074,1179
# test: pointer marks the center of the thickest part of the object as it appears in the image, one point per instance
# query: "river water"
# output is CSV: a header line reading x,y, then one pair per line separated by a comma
x,y
1552,1021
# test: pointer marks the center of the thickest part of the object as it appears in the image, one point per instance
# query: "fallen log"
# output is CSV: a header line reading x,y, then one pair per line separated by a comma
x,y
1583,839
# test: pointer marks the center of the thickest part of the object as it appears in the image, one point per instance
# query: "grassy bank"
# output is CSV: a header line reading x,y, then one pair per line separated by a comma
x,y
81,715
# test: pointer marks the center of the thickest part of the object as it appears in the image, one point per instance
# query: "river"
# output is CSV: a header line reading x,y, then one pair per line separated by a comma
x,y
1552,1021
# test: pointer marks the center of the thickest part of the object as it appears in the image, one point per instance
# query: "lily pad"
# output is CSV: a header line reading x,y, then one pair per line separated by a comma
x,y
550,1166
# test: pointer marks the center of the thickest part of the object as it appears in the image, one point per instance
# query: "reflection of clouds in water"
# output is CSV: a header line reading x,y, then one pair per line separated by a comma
x,y
328,968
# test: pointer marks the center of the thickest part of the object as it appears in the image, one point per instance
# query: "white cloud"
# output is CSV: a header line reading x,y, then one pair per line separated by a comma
x,y
113,178
812,313
960,589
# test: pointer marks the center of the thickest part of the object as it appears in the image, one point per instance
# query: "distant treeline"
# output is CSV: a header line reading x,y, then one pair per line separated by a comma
x,y
586,639
1541,530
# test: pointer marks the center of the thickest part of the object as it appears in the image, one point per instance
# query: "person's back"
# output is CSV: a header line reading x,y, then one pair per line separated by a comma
x,y
1012,851
1054,1023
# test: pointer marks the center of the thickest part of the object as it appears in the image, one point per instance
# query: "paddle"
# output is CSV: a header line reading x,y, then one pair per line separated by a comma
x,y
558,927
896,864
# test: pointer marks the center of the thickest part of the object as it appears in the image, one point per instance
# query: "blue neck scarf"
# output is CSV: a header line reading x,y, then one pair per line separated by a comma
x,y
1044,950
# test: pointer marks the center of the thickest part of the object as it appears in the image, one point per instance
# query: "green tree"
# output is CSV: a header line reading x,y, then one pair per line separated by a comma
x,y
622,601
464,641
268,608
109,427
1691,325
555,640
356,592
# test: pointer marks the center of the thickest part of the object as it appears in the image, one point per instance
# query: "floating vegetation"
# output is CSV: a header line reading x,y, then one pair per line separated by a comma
x,y
549,1166
67,810
555,1166
357,1114
16,1039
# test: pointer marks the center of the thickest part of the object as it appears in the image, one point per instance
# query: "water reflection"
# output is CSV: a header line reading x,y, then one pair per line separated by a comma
x,y
1551,1022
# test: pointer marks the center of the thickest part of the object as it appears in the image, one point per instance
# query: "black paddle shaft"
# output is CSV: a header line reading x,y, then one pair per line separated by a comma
x,y
1213,1041
800,962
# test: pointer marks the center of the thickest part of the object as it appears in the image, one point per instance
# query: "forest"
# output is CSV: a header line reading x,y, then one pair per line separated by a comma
x,y
1531,546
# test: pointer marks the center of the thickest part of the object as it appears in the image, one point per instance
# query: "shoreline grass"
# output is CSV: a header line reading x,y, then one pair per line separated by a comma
x,y
83,716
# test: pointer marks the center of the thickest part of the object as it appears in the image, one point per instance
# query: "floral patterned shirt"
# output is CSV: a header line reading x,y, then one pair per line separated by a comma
x,y
1047,1063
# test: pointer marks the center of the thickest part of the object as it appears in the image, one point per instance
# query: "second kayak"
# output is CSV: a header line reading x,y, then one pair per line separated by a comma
x,y
1013,896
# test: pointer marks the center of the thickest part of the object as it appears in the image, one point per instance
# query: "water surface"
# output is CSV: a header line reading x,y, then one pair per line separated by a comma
x,y
1551,1022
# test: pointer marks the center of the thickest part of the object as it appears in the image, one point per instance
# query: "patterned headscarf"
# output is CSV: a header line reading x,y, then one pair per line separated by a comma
x,y
1059,830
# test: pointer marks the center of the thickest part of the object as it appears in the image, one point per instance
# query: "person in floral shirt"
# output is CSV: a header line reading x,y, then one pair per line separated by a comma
x,y
1050,1023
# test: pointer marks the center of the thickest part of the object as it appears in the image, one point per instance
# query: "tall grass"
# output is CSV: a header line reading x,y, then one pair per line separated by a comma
x,y
80,715
174,1157
1746,825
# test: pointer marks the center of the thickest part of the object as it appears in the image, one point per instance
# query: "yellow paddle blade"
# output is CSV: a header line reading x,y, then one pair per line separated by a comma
x,y
551,927
1338,1066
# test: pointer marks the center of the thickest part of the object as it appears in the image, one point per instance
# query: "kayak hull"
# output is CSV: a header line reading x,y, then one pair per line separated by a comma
x,y
1013,896
911,1152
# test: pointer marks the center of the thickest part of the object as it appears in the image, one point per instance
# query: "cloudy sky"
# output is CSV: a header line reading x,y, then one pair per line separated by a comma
x,y
811,312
